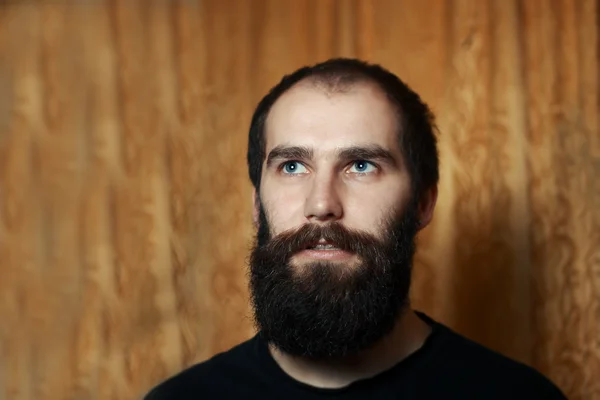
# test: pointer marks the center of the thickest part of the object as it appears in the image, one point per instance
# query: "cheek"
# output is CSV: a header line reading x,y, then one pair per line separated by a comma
x,y
284,209
367,209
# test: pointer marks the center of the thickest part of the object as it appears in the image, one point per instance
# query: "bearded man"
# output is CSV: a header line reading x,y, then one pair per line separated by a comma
x,y
344,163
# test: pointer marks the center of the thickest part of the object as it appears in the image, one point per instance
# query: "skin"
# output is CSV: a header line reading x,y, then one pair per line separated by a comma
x,y
336,157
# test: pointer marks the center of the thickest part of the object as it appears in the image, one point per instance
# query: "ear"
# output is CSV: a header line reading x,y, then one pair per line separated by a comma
x,y
427,205
255,207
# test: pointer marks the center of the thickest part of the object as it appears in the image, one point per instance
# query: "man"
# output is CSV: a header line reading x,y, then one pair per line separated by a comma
x,y
343,159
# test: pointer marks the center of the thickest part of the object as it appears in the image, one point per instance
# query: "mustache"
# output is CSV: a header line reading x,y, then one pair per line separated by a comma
x,y
334,233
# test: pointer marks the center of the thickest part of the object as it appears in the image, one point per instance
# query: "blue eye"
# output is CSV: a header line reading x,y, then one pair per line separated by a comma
x,y
362,167
293,167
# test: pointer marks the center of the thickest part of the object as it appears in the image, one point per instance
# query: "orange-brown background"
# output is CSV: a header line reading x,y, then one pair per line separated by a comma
x,y
124,200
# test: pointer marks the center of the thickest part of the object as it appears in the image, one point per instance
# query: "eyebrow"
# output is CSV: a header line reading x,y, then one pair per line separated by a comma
x,y
369,152
283,152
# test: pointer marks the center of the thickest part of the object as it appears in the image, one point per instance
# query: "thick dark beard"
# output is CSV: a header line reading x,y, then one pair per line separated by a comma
x,y
329,311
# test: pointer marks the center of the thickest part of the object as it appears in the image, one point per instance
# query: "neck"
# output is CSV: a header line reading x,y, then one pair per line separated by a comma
x,y
408,335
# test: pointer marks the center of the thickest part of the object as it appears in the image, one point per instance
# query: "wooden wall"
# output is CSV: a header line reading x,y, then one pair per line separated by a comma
x,y
125,208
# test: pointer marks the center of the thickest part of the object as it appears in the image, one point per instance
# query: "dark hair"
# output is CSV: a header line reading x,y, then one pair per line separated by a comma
x,y
416,122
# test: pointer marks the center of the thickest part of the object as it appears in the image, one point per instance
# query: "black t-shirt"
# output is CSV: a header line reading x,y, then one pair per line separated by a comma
x,y
447,366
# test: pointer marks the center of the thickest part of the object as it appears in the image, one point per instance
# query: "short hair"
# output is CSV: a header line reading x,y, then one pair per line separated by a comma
x,y
416,125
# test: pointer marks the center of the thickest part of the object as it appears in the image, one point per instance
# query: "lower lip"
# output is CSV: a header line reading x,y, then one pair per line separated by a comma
x,y
329,255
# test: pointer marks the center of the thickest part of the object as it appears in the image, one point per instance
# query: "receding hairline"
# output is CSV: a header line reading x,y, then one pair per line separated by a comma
x,y
332,83
338,82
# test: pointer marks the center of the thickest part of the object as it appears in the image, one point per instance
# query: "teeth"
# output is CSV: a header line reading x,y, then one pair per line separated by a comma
x,y
325,247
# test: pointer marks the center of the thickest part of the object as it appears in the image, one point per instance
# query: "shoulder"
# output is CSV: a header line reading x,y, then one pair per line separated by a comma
x,y
206,377
482,370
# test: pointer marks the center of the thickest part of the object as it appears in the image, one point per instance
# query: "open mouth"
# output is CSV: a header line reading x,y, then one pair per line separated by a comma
x,y
323,245
326,250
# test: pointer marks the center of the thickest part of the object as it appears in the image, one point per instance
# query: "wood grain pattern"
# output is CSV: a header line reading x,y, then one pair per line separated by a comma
x,y
125,208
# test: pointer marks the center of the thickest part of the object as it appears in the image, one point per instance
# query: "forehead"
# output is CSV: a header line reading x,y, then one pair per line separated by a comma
x,y
310,115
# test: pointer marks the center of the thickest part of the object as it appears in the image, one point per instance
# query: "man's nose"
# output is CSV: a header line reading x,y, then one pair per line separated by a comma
x,y
323,203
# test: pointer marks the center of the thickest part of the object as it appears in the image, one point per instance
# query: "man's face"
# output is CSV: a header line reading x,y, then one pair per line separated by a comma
x,y
332,157
330,271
